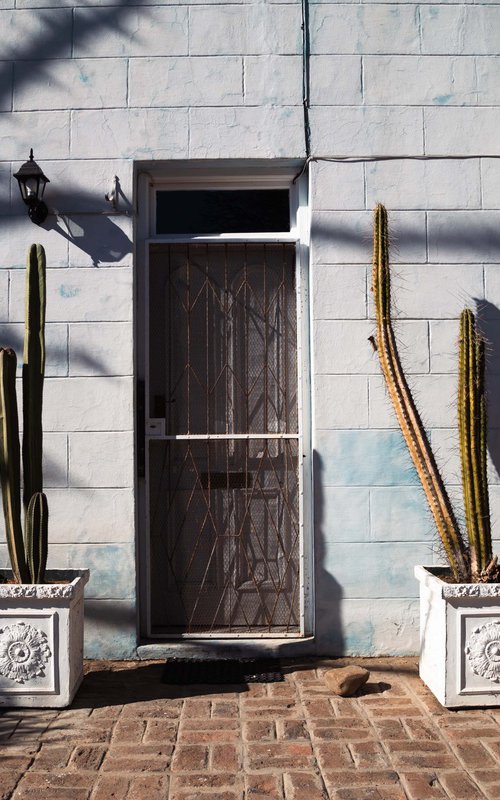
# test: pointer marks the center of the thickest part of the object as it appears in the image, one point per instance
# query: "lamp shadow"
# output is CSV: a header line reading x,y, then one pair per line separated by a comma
x,y
97,236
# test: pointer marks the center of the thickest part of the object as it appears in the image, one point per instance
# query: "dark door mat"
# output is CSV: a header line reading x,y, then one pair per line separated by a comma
x,y
181,671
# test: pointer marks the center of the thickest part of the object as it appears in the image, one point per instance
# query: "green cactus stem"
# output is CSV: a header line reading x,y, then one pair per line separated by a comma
x,y
37,519
404,405
10,467
28,556
33,372
472,432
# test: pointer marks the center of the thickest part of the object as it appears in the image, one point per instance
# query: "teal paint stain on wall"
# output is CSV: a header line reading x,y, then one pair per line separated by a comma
x,y
69,291
442,99
358,638
364,458
401,513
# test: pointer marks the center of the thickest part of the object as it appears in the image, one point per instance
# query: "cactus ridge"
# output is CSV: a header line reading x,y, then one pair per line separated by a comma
x,y
405,408
28,555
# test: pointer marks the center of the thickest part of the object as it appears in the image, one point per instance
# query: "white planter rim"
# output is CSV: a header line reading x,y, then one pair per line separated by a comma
x,y
62,583
429,575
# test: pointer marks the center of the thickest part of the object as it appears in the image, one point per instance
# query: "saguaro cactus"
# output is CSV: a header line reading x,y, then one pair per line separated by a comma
x,y
472,431
29,556
404,406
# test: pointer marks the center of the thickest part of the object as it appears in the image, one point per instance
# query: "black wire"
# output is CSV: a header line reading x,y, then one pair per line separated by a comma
x,y
368,159
306,82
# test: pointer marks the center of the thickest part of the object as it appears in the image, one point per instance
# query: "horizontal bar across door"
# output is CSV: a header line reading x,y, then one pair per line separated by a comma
x,y
226,436
226,238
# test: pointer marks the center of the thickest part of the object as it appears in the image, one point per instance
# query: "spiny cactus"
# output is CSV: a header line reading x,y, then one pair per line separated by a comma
x,y
29,556
404,406
472,431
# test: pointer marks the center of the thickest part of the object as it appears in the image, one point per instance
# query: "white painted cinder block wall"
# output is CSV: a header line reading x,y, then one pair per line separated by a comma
x,y
94,86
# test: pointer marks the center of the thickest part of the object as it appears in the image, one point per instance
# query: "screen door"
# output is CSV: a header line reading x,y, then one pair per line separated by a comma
x,y
223,439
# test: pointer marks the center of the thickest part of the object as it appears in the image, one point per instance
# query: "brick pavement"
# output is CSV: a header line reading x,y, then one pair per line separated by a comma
x,y
129,737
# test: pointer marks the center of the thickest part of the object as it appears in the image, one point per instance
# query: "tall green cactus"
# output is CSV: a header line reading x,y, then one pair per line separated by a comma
x,y
33,372
404,406
29,556
472,432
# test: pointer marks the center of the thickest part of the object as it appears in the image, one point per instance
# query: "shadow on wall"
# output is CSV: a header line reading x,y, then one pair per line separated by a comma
x,y
98,236
12,335
53,37
451,236
489,324
329,635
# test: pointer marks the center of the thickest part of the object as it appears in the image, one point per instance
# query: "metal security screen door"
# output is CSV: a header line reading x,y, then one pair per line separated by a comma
x,y
223,442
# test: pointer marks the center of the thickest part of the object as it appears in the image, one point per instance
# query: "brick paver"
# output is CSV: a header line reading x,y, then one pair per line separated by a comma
x,y
130,737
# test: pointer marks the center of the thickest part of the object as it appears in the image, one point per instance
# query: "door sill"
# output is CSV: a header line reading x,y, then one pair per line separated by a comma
x,y
212,649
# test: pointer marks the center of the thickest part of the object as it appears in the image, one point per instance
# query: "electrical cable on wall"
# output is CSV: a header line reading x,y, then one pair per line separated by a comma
x,y
306,82
369,159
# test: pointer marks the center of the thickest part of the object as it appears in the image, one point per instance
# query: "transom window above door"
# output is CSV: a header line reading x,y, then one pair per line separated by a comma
x,y
206,211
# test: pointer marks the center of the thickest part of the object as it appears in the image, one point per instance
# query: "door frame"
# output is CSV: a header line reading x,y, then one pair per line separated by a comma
x,y
150,178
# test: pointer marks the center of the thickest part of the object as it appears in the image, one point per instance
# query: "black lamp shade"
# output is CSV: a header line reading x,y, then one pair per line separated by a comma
x,y
32,184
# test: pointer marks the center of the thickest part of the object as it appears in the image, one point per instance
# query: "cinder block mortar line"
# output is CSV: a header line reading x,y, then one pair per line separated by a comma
x,y
481,187
421,105
67,349
72,31
127,83
370,515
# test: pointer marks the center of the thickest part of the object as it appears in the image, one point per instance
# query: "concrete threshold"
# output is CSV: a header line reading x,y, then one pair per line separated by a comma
x,y
212,649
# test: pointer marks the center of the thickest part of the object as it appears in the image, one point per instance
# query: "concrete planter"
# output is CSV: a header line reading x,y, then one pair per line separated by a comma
x,y
459,639
41,640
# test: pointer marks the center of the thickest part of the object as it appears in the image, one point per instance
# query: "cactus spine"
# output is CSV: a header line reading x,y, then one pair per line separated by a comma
x,y
29,556
404,405
472,432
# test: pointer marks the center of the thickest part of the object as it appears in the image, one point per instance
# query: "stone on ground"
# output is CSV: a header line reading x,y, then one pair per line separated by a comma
x,y
345,681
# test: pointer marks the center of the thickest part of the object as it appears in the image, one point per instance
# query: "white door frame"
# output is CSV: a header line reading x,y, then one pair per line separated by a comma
x,y
253,175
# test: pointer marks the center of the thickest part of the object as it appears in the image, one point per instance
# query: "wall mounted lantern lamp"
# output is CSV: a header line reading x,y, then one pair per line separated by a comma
x,y
32,183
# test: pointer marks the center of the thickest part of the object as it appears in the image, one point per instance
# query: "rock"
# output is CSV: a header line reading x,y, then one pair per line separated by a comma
x,y
345,681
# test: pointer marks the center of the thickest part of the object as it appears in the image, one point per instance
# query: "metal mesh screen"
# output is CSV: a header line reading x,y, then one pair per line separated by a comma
x,y
225,535
223,491
223,338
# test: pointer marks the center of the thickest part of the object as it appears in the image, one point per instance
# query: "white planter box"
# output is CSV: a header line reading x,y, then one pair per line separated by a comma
x,y
41,640
459,639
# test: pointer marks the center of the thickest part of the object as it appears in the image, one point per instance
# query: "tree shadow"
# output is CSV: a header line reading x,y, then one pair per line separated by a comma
x,y
53,39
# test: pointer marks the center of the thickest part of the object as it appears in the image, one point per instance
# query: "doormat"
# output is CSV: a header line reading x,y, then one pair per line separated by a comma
x,y
181,671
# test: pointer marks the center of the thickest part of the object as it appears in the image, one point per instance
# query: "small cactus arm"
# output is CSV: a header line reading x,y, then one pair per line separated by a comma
x,y
10,467
472,432
404,405
36,536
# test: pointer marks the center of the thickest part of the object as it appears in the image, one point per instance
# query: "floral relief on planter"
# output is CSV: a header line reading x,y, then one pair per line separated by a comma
x,y
24,652
28,653
483,650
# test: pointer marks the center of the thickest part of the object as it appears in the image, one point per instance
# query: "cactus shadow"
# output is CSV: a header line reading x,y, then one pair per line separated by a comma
x,y
489,325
